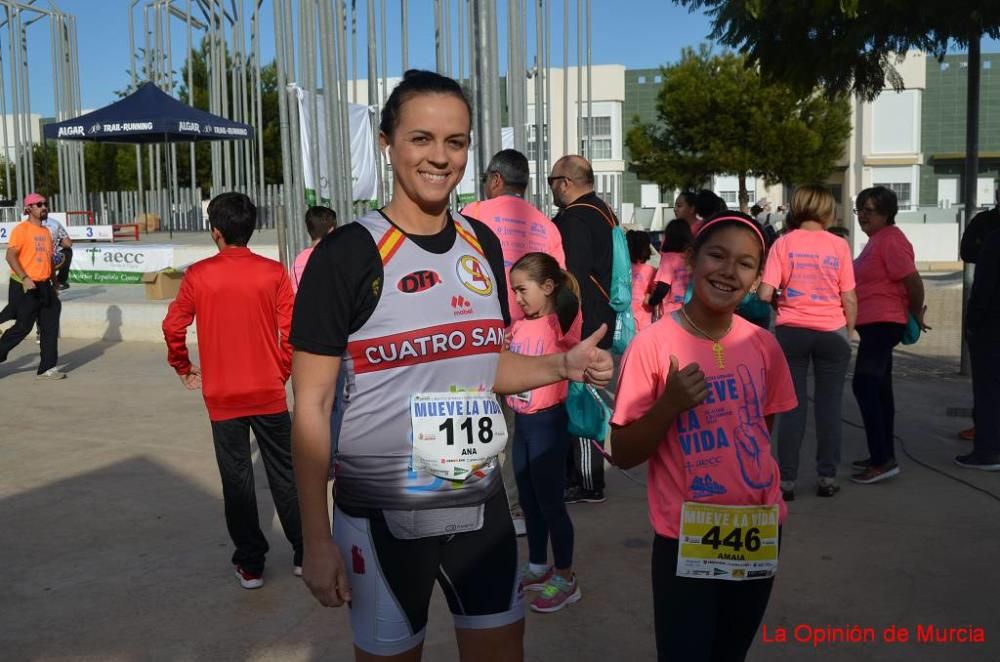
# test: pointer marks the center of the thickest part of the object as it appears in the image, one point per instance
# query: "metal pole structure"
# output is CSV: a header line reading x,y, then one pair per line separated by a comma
x,y
12,14
545,144
438,38
384,63
492,80
460,21
289,190
515,73
345,207
258,133
405,35
373,99
447,38
590,90
6,139
354,50
195,202
540,173
579,82
971,176
565,79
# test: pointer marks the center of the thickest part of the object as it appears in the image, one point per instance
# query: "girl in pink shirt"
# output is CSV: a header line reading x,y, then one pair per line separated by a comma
x,y
672,276
640,250
549,298
696,399
816,311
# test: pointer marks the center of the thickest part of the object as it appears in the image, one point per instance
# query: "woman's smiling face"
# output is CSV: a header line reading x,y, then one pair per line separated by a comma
x,y
429,147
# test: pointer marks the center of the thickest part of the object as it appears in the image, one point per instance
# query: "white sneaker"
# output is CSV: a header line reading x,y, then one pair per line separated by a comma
x,y
249,580
297,570
51,373
519,527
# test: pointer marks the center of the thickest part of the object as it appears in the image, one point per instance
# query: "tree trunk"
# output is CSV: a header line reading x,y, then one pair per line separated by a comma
x,y
744,194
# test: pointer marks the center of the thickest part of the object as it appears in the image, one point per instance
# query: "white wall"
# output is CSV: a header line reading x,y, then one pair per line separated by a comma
x,y
896,122
932,242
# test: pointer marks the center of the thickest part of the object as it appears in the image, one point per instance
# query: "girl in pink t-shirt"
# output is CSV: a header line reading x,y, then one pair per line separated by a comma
x,y
696,399
640,250
672,276
549,298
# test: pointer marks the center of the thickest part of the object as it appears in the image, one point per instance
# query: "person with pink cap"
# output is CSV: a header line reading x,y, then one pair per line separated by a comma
x,y
31,293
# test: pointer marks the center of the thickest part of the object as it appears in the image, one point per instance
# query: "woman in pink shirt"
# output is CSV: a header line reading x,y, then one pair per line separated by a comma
x,y
640,250
889,291
817,307
549,298
696,398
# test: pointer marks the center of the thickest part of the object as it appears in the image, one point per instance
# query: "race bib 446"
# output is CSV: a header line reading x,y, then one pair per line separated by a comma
x,y
728,542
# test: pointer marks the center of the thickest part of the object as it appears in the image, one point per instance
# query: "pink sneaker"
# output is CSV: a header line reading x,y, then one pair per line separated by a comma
x,y
532,582
557,594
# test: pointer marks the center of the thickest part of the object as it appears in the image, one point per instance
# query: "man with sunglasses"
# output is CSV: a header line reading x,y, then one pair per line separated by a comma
x,y
585,222
32,294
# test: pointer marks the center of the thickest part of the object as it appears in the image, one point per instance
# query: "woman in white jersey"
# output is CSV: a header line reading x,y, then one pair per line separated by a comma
x,y
412,296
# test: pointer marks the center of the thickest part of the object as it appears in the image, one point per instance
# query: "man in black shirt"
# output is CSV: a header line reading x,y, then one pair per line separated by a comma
x,y
585,222
982,331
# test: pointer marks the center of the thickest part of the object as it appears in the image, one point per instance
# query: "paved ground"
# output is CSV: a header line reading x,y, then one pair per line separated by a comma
x,y
114,547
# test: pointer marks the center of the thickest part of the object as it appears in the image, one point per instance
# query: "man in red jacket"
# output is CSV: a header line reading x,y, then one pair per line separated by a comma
x,y
242,304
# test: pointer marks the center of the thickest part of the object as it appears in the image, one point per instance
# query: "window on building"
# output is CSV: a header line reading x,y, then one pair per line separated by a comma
x,y
903,191
532,151
600,137
987,64
657,79
642,80
945,66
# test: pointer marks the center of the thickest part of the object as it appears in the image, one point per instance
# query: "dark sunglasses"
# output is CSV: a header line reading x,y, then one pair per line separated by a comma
x,y
555,179
39,204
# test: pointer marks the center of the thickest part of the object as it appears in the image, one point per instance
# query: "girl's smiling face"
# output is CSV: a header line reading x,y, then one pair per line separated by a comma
x,y
532,297
726,267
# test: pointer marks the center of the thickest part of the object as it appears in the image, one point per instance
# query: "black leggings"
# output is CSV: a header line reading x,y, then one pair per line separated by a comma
x,y
703,619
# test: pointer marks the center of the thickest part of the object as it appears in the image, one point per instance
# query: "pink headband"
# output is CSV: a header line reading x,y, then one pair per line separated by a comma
x,y
738,219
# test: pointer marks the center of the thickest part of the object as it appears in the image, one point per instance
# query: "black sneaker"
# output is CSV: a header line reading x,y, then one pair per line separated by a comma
x,y
972,461
580,495
862,464
62,286
788,490
827,487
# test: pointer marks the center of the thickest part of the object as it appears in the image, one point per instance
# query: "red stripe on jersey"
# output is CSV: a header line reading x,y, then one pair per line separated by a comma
x,y
469,239
390,244
434,343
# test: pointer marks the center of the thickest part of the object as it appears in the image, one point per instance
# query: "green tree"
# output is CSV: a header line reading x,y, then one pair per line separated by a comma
x,y
716,115
844,45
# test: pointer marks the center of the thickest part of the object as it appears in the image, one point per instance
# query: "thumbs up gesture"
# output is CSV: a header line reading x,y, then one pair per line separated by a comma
x,y
686,386
587,363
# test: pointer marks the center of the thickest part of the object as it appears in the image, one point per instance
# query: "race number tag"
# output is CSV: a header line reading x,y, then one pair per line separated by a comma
x,y
728,542
455,434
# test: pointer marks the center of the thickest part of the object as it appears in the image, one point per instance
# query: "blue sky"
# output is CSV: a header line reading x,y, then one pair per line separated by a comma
x,y
649,33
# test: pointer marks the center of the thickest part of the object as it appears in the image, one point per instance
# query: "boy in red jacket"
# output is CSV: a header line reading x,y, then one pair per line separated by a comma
x,y
242,304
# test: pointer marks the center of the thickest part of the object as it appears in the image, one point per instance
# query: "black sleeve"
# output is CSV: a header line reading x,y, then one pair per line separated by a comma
x,y
494,255
577,245
660,291
340,288
972,239
985,286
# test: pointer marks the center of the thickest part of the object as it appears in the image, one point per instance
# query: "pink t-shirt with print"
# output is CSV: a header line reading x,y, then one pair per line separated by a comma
x,y
521,229
642,281
539,337
674,272
299,266
813,269
720,451
880,269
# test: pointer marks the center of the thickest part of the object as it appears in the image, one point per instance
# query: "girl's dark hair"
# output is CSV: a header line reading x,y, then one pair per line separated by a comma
x,y
677,238
690,197
416,82
710,228
708,204
540,267
639,248
883,199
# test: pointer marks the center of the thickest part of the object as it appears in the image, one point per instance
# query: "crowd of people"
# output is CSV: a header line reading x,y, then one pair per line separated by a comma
x,y
431,355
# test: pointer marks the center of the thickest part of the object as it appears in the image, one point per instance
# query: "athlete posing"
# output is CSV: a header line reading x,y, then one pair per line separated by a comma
x,y
696,398
414,299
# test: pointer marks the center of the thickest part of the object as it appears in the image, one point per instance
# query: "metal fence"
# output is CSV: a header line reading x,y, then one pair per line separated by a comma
x,y
177,212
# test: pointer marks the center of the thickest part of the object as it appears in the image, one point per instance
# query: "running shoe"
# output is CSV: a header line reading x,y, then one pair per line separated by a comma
x,y
532,582
972,461
51,373
580,495
827,486
968,434
557,594
862,464
249,580
297,570
788,490
875,474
